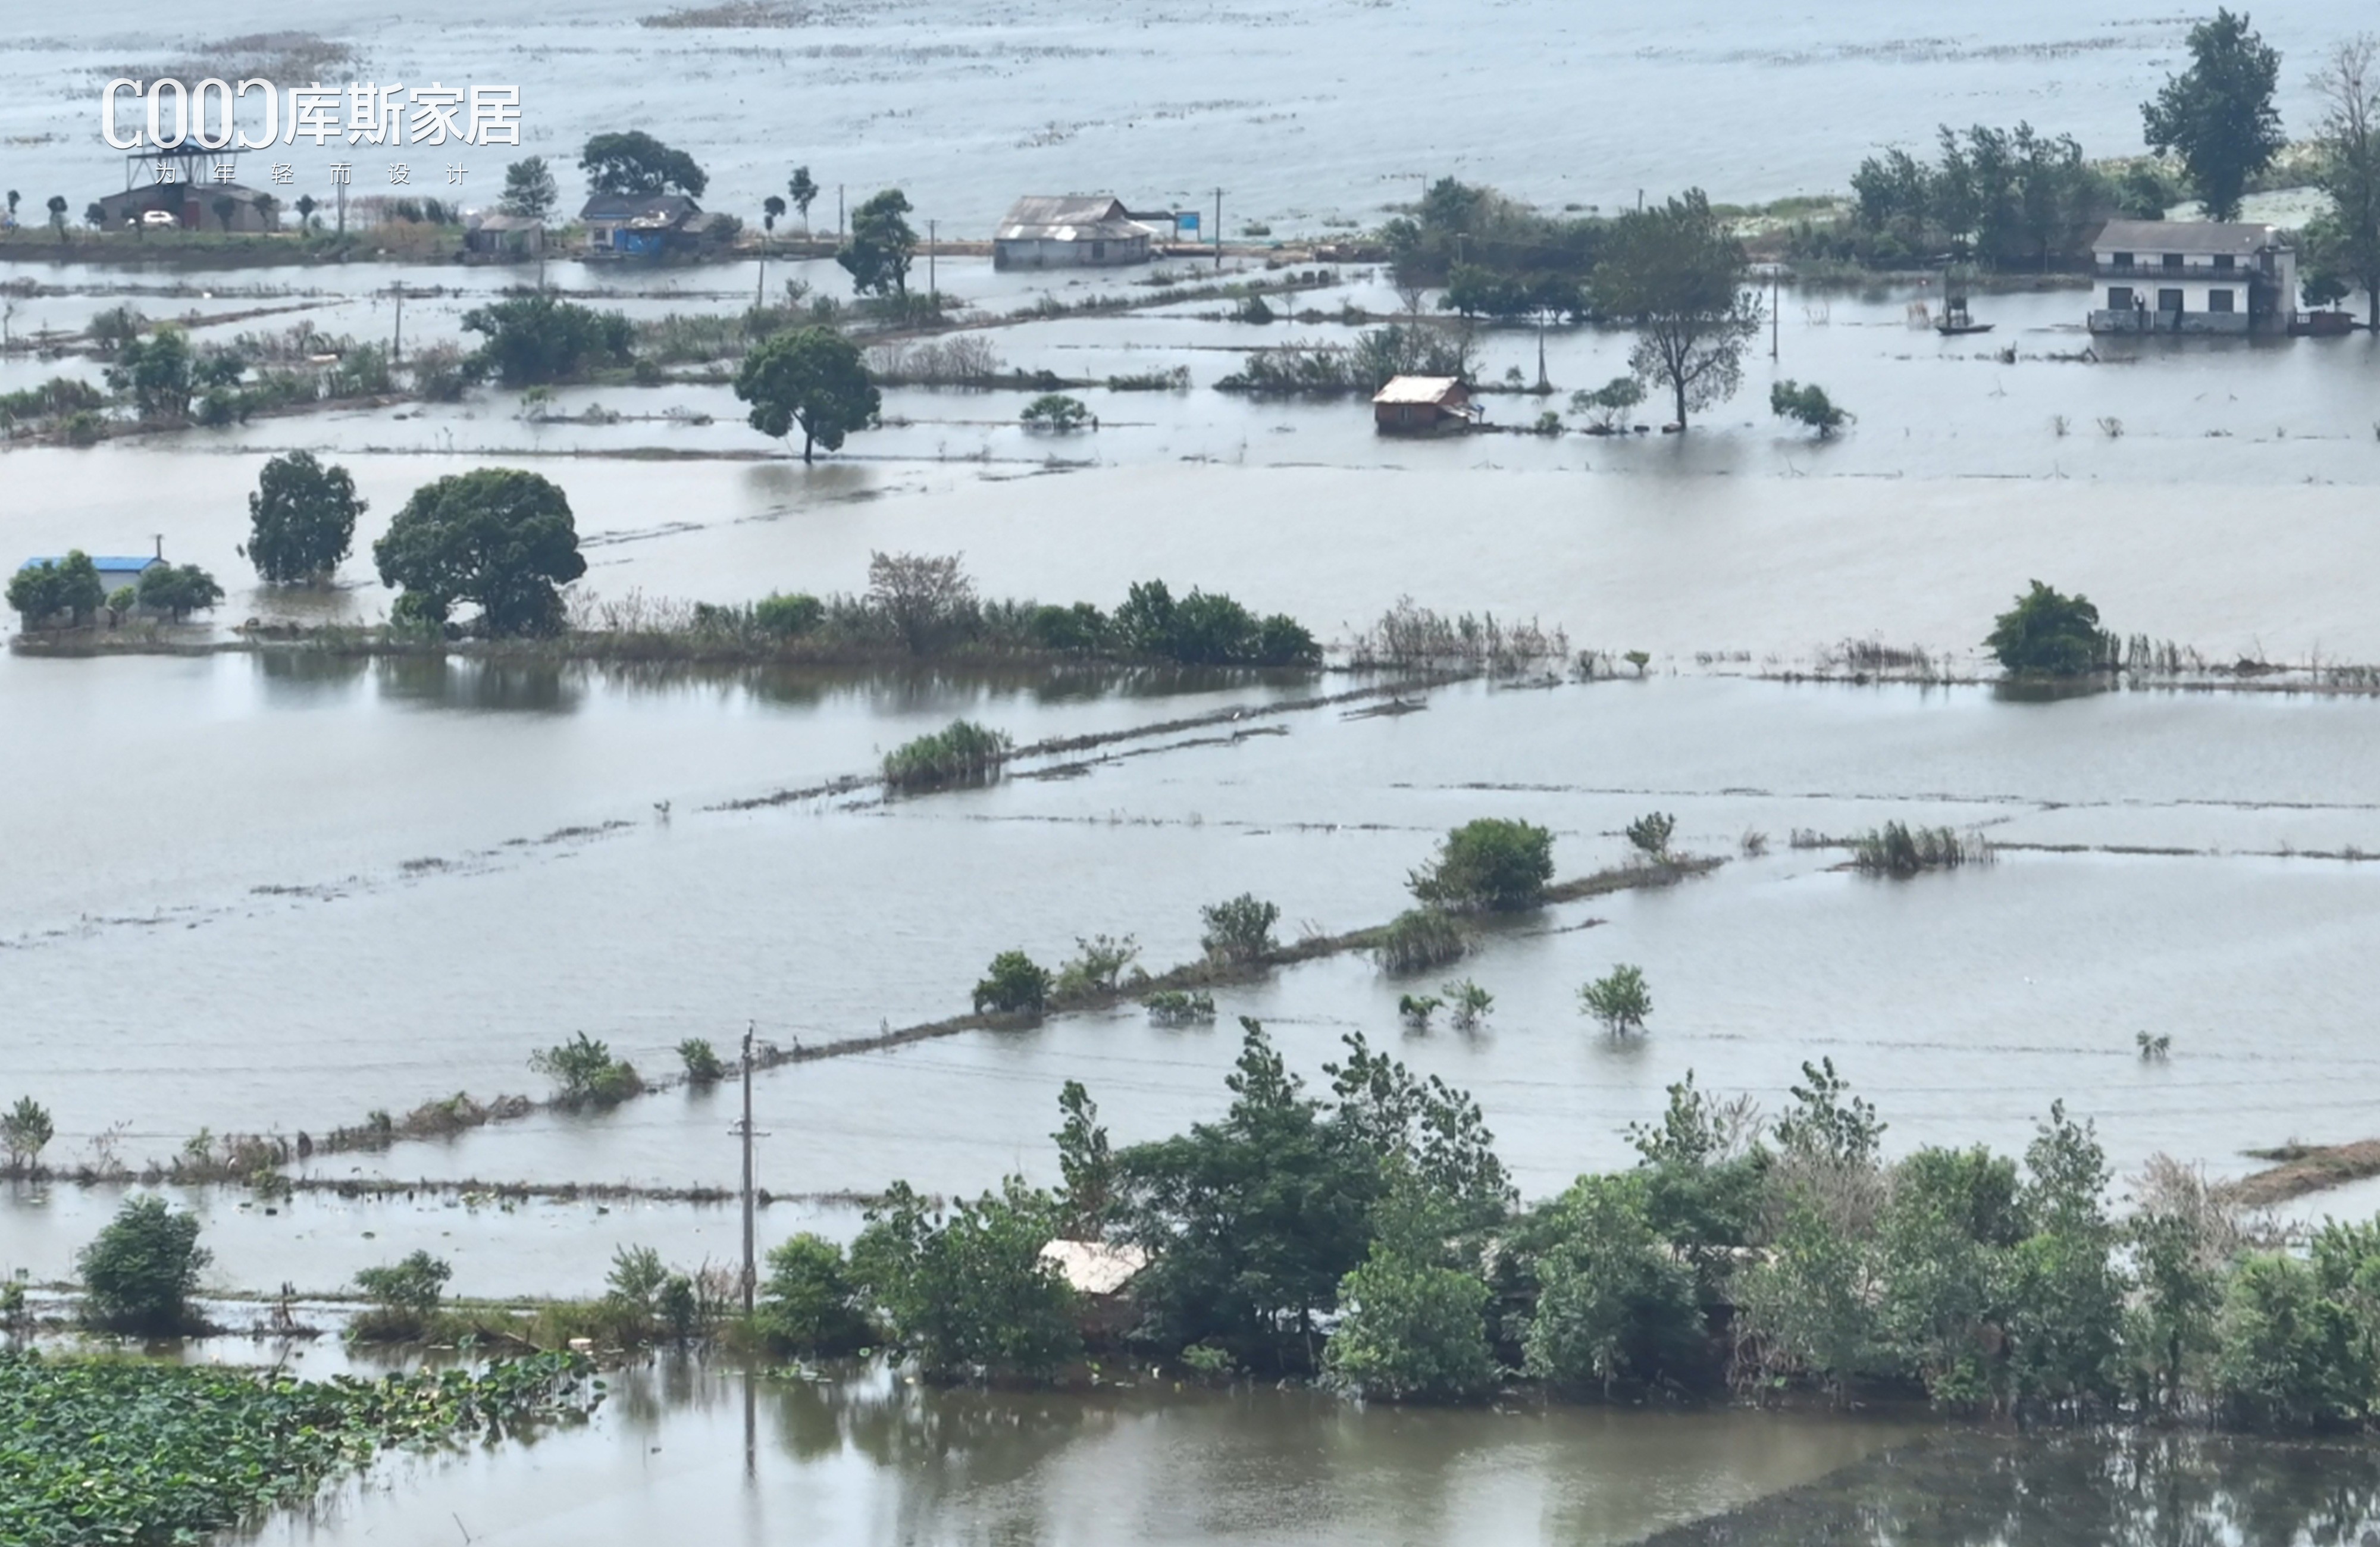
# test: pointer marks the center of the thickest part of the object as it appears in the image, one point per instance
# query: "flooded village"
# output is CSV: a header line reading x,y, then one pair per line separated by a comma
x,y
976,773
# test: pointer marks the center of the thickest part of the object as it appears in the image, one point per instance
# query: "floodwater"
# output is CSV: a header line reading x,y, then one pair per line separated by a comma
x,y
687,1453
274,893
1302,115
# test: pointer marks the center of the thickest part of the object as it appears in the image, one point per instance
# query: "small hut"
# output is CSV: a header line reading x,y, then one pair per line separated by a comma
x,y
1422,406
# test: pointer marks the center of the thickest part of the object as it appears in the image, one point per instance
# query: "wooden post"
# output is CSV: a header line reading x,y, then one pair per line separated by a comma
x,y
1218,228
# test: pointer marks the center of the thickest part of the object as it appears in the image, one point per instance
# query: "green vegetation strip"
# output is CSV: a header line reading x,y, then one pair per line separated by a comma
x,y
136,1453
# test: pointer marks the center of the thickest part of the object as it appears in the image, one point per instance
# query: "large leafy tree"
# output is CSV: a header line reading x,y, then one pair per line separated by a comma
x,y
301,519
141,1270
635,161
178,590
528,188
878,251
810,377
1676,276
2349,86
2218,114
2051,634
499,537
969,1290
40,592
537,338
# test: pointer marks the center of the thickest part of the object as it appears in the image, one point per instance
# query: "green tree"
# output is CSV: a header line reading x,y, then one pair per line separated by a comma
x,y
498,537
139,1272
585,1072
41,592
1675,275
1619,999
1086,1164
2066,1318
807,1303
1808,406
58,214
2049,634
1055,410
878,251
1251,1222
1496,863
968,1292
301,519
2348,137
539,339
156,372
1239,930
804,193
405,1295
1944,1242
2218,114
529,190
635,161
1014,985
24,1131
1617,1310
1414,1327
812,377
700,1061
177,590
306,207
2292,1356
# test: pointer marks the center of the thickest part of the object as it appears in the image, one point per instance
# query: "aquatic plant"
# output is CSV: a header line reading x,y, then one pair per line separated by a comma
x,y
139,1452
960,752
1415,1009
1901,851
1419,938
1649,835
405,1297
1808,406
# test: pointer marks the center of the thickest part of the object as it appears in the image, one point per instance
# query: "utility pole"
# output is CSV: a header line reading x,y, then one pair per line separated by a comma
x,y
1773,274
1218,228
932,289
838,215
751,1277
397,346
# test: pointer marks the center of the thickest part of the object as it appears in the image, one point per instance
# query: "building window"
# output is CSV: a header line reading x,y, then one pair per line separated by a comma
x,y
2223,261
2219,300
1099,251
2123,259
2173,260
2119,297
2168,300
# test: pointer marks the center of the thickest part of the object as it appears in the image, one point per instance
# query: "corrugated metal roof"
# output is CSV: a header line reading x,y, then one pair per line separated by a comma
x,y
2213,236
627,206
1071,217
115,565
1094,1267
1417,389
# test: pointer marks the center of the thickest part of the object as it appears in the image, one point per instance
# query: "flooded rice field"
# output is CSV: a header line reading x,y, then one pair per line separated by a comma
x,y
272,892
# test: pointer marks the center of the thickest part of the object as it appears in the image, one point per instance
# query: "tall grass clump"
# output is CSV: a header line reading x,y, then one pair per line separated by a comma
x,y
962,752
1239,930
1420,938
1902,851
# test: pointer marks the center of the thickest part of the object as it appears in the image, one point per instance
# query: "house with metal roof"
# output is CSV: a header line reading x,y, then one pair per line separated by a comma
x,y
1043,231
638,224
1423,406
2193,276
115,571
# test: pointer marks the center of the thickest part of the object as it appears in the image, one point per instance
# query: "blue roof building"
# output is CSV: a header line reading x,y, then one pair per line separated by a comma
x,y
114,571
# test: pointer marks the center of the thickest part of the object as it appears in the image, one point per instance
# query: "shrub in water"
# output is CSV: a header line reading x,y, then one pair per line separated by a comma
x,y
1014,985
1420,938
1239,930
1491,863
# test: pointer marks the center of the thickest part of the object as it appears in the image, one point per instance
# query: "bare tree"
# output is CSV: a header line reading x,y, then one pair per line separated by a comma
x,y
1677,276
924,596
2346,241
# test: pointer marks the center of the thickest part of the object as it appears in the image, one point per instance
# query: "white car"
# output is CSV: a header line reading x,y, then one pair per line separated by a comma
x,y
160,218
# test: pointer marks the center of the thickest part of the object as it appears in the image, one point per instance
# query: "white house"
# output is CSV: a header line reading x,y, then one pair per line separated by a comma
x,y
1068,231
2192,277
